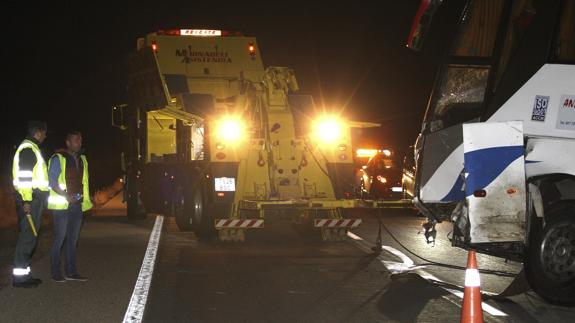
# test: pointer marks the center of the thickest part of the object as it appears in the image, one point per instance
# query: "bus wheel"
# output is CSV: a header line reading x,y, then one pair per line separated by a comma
x,y
550,266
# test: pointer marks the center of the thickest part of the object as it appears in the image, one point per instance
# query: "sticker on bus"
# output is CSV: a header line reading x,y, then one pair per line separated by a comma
x,y
566,114
540,108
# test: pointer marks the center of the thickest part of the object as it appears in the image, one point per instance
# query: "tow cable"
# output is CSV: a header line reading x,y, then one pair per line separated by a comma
x,y
430,232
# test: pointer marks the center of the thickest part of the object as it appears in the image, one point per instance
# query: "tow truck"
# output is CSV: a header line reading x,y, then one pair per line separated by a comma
x,y
496,150
226,145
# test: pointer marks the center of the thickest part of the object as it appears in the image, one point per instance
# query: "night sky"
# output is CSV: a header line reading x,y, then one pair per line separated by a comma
x,y
65,63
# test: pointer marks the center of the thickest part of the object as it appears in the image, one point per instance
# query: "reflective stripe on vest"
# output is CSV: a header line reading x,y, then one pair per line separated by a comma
x,y
25,181
59,202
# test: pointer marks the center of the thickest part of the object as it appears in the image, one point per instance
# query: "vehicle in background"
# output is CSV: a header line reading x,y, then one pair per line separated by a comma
x,y
380,178
408,175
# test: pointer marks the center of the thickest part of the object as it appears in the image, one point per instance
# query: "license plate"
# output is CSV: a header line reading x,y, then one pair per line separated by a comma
x,y
396,189
225,184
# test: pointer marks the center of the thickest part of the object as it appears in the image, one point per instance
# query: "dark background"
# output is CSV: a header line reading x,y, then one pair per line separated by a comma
x,y
65,63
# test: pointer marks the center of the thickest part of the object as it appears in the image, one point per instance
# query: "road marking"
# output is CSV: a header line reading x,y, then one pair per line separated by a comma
x,y
408,264
137,306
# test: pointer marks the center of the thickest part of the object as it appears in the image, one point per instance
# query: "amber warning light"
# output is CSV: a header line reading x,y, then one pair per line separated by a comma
x,y
252,49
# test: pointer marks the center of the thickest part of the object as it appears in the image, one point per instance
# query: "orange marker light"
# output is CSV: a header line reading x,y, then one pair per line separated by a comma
x,y
365,153
252,49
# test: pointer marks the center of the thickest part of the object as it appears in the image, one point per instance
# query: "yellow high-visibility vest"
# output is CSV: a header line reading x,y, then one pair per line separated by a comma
x,y
59,202
25,181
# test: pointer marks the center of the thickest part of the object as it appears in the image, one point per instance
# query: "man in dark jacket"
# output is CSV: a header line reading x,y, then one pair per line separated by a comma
x,y
69,198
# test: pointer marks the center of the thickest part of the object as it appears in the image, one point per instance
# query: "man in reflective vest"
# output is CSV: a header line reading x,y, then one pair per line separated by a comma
x,y
30,180
69,198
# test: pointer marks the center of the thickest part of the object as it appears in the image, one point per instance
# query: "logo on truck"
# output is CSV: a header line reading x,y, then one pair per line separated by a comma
x,y
190,55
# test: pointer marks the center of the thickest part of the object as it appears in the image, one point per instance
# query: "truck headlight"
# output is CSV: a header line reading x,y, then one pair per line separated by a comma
x,y
328,129
230,129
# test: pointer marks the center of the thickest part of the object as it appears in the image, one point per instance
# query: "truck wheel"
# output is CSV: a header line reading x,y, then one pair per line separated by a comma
x,y
134,205
201,219
550,265
182,210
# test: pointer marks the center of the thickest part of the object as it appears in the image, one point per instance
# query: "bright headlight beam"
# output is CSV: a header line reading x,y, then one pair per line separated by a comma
x,y
328,129
230,129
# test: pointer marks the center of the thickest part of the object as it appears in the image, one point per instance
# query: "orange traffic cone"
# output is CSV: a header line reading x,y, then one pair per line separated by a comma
x,y
471,311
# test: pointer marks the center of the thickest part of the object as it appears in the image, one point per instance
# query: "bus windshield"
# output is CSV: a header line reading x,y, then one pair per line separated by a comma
x,y
460,90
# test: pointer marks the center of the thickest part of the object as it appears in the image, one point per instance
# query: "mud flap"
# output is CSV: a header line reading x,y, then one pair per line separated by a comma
x,y
495,188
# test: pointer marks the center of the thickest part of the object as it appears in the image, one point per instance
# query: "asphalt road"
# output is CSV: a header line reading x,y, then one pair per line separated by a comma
x,y
276,276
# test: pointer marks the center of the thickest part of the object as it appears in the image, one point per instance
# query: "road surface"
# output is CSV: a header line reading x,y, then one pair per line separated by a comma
x,y
276,276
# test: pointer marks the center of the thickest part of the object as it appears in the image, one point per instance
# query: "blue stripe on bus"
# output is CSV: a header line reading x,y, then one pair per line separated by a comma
x,y
456,193
485,165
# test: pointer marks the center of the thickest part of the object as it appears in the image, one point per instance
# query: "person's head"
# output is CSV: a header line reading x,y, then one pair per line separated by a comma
x,y
37,130
74,141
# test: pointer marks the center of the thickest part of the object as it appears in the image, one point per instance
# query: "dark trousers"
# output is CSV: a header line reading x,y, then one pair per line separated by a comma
x,y
27,241
67,224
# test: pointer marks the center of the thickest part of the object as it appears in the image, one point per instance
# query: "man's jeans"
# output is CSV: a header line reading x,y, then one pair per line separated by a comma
x,y
67,224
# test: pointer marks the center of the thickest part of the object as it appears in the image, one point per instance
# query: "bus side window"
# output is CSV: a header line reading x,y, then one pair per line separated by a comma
x,y
565,40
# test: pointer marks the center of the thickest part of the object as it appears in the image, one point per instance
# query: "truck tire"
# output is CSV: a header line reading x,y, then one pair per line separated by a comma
x,y
135,208
202,222
550,263
182,210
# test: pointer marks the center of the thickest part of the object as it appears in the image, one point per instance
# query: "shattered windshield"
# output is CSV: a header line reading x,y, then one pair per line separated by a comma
x,y
460,96
461,88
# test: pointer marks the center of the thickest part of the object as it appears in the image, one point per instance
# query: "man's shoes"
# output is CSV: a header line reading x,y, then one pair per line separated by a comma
x,y
30,283
76,277
58,279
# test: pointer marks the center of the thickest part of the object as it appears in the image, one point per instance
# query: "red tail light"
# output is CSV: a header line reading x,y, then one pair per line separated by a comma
x,y
480,193
169,32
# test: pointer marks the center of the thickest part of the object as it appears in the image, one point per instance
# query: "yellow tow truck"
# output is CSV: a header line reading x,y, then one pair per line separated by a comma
x,y
223,143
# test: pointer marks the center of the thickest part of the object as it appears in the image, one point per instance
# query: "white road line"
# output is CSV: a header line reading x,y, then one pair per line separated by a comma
x,y
137,306
407,264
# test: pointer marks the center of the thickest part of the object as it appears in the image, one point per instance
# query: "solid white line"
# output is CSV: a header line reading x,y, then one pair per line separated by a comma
x,y
137,306
408,262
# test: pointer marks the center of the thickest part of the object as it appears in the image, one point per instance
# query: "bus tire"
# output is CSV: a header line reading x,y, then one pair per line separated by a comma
x,y
550,263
